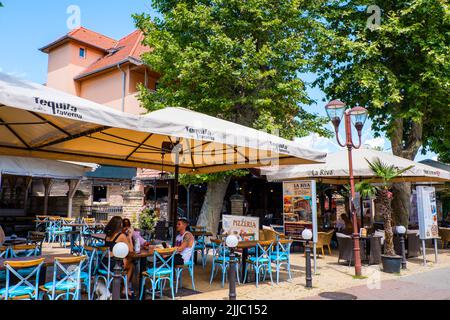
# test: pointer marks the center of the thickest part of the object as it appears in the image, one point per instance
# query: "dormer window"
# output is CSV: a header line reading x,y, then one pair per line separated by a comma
x,y
82,53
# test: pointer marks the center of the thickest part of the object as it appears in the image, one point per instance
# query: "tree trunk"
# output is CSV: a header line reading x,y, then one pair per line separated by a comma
x,y
385,199
405,145
401,203
212,205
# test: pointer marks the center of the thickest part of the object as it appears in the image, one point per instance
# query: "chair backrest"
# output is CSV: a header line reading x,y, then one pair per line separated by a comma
x,y
263,251
163,259
36,238
91,263
25,250
444,233
104,259
283,249
67,270
15,280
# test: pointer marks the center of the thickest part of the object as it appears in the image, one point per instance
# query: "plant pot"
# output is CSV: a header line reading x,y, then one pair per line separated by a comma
x,y
391,264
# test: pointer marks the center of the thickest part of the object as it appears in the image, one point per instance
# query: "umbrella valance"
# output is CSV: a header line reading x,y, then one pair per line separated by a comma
x,y
335,170
41,168
37,121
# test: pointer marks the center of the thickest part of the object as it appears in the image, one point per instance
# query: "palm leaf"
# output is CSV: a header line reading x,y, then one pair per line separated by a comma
x,y
386,172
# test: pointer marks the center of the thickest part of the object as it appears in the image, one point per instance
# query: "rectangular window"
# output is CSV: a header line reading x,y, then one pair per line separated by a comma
x,y
82,53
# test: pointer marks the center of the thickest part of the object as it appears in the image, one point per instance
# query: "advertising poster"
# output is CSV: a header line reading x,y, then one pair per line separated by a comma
x,y
246,227
299,208
427,212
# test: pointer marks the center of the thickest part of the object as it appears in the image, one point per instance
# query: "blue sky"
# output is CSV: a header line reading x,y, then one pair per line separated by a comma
x,y
26,26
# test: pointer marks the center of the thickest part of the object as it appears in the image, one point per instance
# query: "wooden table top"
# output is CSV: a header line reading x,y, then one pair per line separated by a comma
x,y
49,259
145,253
202,233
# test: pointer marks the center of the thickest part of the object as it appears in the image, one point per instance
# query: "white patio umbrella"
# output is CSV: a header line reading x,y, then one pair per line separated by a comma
x,y
335,170
37,121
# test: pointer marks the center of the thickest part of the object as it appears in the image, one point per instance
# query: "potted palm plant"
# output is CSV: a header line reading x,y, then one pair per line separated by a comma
x,y
390,260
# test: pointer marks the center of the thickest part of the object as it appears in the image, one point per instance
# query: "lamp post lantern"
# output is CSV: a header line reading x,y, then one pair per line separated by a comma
x,y
120,252
336,109
307,236
232,241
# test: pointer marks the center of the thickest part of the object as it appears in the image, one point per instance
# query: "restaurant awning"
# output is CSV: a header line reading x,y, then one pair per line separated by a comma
x,y
41,168
335,170
37,121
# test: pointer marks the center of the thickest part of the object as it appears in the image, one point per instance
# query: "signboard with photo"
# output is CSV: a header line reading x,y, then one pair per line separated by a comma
x,y
427,212
246,227
299,208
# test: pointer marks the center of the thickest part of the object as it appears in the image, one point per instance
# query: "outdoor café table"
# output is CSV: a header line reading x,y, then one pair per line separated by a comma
x,y
76,230
14,241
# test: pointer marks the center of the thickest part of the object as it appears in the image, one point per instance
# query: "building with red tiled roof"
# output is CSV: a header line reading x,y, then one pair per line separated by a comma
x,y
96,67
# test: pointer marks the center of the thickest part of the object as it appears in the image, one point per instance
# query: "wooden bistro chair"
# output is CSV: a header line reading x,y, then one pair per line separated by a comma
x,y
66,281
20,285
261,262
324,240
444,233
25,250
161,272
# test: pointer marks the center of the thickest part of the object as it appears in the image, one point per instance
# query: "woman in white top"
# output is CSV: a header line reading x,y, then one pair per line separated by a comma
x,y
184,243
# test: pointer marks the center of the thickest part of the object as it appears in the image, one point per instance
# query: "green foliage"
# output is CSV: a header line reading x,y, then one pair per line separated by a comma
x,y
236,60
148,220
386,172
194,179
366,189
399,71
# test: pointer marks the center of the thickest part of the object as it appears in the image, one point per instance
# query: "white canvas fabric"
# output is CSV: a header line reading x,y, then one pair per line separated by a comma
x,y
19,166
335,170
37,121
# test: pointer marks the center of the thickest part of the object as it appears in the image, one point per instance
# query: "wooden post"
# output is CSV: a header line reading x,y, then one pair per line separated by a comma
x,y
73,186
48,187
28,181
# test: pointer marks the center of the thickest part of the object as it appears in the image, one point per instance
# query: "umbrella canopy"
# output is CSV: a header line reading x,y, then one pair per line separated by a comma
x,y
335,170
37,121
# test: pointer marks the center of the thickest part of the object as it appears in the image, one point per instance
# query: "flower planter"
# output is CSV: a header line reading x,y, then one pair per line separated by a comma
x,y
391,264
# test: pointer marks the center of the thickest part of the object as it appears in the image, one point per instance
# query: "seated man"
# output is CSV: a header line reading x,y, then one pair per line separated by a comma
x,y
184,243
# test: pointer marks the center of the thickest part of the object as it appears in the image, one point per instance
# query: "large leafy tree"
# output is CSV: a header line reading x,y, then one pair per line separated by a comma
x,y
399,69
237,60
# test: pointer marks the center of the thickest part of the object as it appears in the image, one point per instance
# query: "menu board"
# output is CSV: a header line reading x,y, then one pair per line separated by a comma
x,y
427,212
246,227
299,208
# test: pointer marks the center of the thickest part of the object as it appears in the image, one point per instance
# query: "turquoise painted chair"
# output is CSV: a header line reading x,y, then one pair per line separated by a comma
x,y
161,272
261,263
104,270
19,286
281,256
89,269
187,266
4,252
25,250
66,282
221,261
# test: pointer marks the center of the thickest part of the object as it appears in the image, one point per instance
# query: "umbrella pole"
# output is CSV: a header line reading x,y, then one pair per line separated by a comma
x,y
175,202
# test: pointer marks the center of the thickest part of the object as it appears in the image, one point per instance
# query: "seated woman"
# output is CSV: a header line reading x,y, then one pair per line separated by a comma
x,y
114,234
127,227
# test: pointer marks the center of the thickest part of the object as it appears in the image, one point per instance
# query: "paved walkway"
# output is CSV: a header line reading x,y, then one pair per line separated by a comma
x,y
430,285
